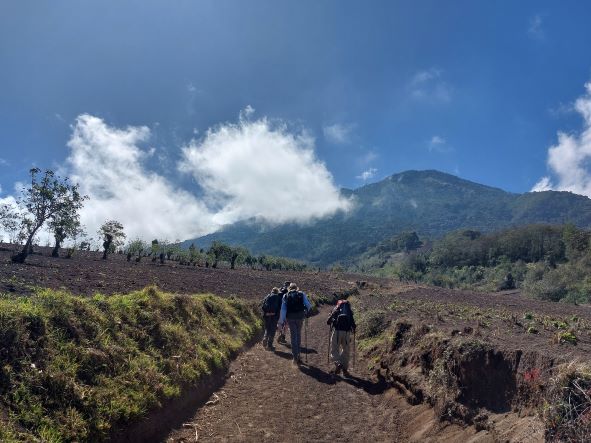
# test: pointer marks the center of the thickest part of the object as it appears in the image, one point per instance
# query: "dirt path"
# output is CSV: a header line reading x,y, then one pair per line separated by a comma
x,y
267,398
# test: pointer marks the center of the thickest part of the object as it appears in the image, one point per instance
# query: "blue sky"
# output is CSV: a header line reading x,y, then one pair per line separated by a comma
x,y
478,89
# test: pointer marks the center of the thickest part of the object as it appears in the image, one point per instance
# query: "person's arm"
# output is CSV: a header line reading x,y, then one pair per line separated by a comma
x,y
307,303
264,300
331,317
283,312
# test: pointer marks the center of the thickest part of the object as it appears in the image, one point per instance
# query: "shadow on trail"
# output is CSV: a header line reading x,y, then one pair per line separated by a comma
x,y
371,387
303,349
282,354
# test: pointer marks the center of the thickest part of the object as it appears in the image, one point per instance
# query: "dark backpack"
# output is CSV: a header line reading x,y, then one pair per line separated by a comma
x,y
344,317
294,301
270,304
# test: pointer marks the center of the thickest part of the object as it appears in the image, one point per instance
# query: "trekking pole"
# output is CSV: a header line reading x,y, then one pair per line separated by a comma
x,y
354,349
306,332
328,346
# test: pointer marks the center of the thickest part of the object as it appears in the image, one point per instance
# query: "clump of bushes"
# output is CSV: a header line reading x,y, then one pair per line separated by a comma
x,y
73,367
567,412
372,323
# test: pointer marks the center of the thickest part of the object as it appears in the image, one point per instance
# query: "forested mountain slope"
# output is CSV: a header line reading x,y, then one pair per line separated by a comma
x,y
431,203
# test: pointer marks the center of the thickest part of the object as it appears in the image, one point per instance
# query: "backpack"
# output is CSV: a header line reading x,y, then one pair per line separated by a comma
x,y
294,301
270,304
344,317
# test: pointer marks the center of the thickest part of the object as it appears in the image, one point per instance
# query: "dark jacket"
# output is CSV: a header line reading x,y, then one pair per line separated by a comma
x,y
275,301
334,315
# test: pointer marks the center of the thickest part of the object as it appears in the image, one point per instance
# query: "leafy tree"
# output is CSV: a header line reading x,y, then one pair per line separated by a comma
x,y
220,252
155,248
237,254
63,225
136,248
195,255
8,219
48,197
113,236
250,260
575,240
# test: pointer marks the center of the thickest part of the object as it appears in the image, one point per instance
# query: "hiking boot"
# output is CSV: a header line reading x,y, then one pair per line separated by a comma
x,y
346,373
281,339
270,348
337,368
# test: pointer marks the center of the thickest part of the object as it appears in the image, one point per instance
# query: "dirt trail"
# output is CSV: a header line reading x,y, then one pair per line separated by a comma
x,y
267,398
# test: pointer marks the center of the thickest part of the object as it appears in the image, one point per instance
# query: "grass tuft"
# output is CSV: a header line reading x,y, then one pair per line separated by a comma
x,y
567,412
75,367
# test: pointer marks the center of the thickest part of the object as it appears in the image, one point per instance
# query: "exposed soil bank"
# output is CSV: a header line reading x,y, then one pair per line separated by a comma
x,y
267,398
174,412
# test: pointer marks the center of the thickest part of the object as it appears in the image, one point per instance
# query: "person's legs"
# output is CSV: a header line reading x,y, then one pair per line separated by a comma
x,y
334,348
266,335
345,339
281,338
295,330
271,329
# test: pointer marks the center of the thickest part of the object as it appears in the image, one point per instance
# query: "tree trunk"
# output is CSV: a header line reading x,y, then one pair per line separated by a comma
x,y
27,249
56,248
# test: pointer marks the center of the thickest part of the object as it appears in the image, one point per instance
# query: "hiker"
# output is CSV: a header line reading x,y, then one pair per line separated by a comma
x,y
284,290
271,307
294,309
341,323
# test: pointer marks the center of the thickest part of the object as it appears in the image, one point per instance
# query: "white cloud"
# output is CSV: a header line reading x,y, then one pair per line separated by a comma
x,y
439,144
569,159
437,140
3,162
535,27
248,169
545,184
259,169
108,164
561,109
368,174
338,133
429,86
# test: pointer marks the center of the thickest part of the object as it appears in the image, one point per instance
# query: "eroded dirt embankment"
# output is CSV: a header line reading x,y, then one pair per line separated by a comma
x,y
466,381
491,362
267,398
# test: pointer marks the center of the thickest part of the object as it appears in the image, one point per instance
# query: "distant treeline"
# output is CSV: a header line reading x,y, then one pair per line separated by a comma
x,y
217,254
551,262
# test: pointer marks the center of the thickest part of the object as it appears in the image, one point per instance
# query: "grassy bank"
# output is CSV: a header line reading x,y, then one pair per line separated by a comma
x,y
75,367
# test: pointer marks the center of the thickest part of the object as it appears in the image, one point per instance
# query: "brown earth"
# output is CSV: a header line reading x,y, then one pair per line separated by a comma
x,y
86,273
499,385
267,398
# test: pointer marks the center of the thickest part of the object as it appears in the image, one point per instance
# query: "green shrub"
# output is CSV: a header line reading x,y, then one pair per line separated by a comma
x,y
74,367
372,323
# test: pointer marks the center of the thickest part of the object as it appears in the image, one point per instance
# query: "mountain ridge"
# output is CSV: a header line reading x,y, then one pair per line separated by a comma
x,y
429,202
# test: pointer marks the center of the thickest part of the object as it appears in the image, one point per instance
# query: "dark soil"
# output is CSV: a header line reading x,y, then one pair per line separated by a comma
x,y
267,398
86,273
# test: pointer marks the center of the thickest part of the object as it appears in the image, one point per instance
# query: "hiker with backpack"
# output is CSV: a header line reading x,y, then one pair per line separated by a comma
x,y
284,290
342,323
271,308
294,308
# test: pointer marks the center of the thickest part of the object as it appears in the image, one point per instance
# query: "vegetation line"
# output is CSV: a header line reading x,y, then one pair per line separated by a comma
x,y
74,368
